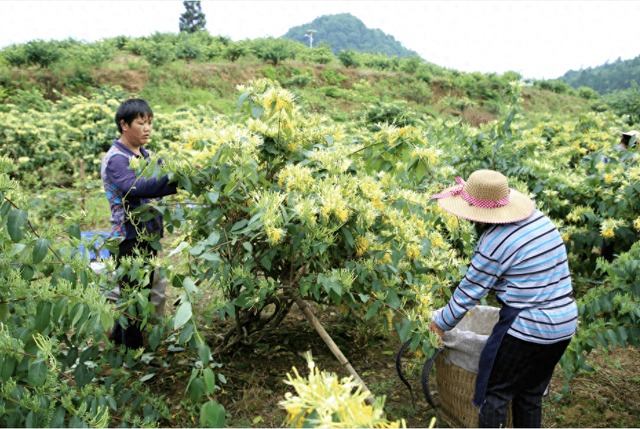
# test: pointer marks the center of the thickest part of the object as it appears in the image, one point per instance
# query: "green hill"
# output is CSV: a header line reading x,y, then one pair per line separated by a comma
x,y
606,78
346,32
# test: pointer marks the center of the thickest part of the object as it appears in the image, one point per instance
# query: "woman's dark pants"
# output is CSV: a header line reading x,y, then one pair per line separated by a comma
x,y
520,375
131,337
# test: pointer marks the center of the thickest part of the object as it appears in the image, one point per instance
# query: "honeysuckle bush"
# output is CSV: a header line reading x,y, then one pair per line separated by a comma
x,y
289,204
609,313
53,323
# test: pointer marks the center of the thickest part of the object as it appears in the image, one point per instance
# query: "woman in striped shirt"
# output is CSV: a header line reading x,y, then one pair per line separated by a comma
x,y
522,257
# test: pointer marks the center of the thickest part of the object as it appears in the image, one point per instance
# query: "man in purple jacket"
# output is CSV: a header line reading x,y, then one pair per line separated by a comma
x,y
126,192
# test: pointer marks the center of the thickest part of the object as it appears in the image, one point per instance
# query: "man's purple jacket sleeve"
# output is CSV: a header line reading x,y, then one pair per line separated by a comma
x,y
125,179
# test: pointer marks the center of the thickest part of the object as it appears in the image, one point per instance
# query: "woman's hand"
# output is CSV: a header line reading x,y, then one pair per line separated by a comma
x,y
437,330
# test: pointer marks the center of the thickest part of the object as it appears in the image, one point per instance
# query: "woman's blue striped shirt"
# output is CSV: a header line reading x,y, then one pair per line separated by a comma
x,y
525,262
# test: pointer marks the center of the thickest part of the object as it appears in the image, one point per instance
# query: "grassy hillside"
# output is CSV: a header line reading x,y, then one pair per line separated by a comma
x,y
173,71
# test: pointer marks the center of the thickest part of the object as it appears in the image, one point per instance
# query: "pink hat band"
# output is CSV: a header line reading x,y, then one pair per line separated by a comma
x,y
476,202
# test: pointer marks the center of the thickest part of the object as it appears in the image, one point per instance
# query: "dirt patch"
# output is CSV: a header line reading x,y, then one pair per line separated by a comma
x,y
476,117
132,81
607,397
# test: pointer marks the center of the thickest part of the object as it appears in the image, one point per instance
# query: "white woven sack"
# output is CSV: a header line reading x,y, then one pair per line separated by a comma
x,y
466,341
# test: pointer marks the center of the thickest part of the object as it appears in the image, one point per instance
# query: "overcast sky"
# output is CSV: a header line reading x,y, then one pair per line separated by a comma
x,y
539,39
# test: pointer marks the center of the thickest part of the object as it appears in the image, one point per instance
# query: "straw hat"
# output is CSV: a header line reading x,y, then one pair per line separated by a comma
x,y
628,133
486,197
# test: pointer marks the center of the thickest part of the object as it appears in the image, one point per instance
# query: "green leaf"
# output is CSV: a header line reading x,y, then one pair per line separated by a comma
x,y
185,183
57,421
155,337
112,402
242,98
4,312
373,309
230,309
312,417
40,249
197,249
392,299
147,377
622,335
404,331
155,244
348,236
29,421
74,231
16,219
79,309
209,380
8,366
229,187
611,335
37,373
196,390
189,285
266,262
136,403
183,315
43,315
177,280
328,139
76,422
213,197
420,170
82,376
186,333
212,415
205,354
256,111
425,246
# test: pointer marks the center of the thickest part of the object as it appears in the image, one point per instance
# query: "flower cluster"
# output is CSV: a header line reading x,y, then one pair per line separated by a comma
x,y
608,227
323,400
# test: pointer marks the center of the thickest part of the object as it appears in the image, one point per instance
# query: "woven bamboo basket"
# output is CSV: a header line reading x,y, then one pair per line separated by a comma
x,y
456,387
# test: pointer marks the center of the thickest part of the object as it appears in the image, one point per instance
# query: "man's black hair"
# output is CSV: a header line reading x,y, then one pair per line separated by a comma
x,y
131,109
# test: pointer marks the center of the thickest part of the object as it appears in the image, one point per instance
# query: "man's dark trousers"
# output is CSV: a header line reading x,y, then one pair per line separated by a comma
x,y
131,336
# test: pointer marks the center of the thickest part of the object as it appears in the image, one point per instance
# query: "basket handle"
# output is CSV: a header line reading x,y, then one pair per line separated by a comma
x,y
399,369
426,371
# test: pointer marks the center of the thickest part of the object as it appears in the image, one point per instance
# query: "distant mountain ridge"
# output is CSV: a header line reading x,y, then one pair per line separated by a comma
x,y
606,78
345,31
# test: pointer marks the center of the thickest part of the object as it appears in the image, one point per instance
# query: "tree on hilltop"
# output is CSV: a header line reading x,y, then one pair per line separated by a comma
x,y
192,19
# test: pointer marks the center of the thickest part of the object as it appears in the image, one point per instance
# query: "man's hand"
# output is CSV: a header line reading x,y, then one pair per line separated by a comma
x,y
437,330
